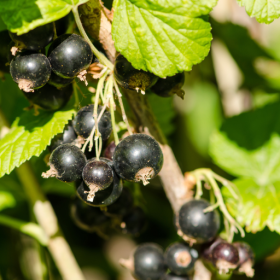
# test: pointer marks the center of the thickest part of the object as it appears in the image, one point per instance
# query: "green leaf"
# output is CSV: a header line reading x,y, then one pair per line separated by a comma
x,y
248,145
265,11
258,207
29,136
21,16
163,37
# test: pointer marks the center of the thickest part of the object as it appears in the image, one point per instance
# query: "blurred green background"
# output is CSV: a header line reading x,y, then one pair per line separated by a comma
x,y
241,73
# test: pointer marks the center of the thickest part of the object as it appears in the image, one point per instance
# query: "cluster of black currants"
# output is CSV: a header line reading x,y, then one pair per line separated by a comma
x,y
46,76
224,256
150,262
198,223
99,181
195,226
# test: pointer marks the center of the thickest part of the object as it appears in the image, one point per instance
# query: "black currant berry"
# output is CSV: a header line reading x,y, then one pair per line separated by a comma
x,y
86,217
246,258
122,205
109,150
174,277
69,54
84,122
66,137
50,98
30,70
131,78
103,197
207,249
134,222
97,175
169,86
148,262
35,39
67,163
180,258
58,81
225,257
197,225
138,157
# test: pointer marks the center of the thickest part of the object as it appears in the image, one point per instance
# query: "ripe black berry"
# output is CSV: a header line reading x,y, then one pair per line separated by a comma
x,y
174,277
131,78
148,262
67,163
103,197
225,257
246,258
169,86
134,222
196,224
50,98
58,81
35,39
86,217
109,151
180,258
122,205
69,54
30,70
84,122
138,157
207,249
97,175
66,137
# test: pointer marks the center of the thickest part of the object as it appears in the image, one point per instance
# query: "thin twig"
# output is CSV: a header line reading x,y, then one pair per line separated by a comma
x,y
124,117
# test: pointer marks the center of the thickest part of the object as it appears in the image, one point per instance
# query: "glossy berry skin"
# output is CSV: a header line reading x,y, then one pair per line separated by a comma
x,y
84,122
246,258
122,205
109,151
134,222
30,70
58,81
86,217
66,137
180,258
68,161
174,277
169,86
225,257
102,197
148,262
207,249
97,174
50,98
196,224
35,39
130,78
138,157
69,54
